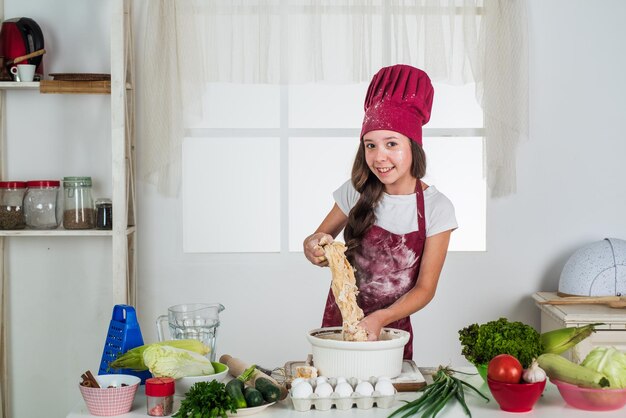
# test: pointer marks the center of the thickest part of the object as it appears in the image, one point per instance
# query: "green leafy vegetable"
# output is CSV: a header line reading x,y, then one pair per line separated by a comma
x,y
206,400
609,361
481,343
163,360
133,358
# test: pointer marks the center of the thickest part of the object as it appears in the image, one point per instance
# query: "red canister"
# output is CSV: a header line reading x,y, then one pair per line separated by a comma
x,y
160,396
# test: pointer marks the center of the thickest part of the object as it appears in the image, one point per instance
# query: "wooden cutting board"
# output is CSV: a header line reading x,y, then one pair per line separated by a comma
x,y
610,301
410,379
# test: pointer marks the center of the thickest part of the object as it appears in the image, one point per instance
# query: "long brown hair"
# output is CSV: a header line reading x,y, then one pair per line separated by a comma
x,y
361,216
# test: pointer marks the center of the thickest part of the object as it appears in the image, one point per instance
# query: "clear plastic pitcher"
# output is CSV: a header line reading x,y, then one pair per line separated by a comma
x,y
198,321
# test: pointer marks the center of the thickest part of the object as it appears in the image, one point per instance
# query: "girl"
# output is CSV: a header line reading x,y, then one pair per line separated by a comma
x,y
397,228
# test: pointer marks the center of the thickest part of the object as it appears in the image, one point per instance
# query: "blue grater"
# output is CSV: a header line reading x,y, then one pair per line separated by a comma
x,y
123,335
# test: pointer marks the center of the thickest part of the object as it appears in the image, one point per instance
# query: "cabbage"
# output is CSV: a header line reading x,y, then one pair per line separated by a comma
x,y
167,361
609,361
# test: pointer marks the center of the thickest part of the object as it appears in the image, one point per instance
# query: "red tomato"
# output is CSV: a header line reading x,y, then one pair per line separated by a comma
x,y
505,368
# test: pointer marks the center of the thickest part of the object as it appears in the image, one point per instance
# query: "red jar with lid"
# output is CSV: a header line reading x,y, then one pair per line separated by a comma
x,y
160,396
42,205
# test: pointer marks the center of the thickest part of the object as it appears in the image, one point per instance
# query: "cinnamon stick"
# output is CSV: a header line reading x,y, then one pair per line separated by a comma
x,y
89,380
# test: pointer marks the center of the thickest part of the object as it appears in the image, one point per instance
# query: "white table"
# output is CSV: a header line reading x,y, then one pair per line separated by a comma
x,y
550,405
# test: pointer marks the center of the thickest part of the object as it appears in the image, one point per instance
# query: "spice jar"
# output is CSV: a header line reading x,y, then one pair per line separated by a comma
x,y
78,210
11,204
42,204
160,396
104,214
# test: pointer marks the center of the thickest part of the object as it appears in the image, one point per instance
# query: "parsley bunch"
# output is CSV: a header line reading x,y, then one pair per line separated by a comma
x,y
481,343
206,400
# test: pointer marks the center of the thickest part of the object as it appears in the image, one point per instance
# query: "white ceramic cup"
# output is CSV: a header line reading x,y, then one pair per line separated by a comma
x,y
24,72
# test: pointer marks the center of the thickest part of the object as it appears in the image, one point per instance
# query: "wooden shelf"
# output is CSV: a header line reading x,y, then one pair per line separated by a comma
x,y
74,87
61,232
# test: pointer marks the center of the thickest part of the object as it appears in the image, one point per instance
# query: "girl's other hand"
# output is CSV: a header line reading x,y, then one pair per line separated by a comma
x,y
313,248
372,325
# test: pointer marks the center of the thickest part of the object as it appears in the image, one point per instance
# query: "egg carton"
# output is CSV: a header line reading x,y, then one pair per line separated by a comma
x,y
342,401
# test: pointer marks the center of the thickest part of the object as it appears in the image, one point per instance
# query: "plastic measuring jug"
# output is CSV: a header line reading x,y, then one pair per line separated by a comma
x,y
198,321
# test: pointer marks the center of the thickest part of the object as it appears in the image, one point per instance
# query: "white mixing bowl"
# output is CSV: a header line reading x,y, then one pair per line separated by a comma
x,y
334,357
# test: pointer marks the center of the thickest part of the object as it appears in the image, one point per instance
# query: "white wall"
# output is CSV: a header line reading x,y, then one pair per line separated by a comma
x,y
570,192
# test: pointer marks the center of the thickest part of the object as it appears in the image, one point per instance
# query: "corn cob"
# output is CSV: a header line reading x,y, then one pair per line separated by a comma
x,y
133,358
561,340
560,368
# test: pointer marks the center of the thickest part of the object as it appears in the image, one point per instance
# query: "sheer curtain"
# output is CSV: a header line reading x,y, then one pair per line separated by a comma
x,y
192,42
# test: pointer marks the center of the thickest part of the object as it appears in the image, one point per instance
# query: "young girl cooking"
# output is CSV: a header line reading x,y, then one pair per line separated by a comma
x,y
397,228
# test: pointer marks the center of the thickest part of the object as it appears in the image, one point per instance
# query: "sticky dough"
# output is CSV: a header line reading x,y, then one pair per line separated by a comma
x,y
345,290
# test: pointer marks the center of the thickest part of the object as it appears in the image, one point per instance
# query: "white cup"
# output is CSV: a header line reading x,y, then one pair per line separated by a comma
x,y
23,72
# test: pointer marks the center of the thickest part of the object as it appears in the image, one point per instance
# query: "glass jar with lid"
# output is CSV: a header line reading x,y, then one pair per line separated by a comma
x,y
78,209
12,204
42,206
104,213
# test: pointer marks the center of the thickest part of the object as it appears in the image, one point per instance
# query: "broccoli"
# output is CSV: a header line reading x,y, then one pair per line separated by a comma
x,y
481,343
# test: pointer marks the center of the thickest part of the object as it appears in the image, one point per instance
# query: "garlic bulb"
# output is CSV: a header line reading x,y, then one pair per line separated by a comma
x,y
534,373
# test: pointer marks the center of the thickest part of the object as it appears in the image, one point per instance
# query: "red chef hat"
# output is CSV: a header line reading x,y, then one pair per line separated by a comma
x,y
398,99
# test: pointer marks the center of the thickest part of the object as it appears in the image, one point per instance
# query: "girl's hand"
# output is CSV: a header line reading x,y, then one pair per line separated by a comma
x,y
373,325
313,248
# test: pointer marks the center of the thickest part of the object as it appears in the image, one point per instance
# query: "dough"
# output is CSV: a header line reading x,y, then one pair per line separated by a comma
x,y
345,290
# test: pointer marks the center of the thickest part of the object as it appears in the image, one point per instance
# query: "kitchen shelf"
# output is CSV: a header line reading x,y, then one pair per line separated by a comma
x,y
62,87
61,232
14,85
119,88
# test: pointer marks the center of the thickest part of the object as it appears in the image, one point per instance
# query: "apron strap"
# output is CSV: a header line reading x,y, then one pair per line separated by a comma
x,y
421,215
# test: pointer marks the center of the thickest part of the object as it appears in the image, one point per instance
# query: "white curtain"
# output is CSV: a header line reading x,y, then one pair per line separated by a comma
x,y
192,42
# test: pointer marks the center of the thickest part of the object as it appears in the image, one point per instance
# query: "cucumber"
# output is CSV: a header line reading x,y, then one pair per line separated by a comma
x,y
253,397
234,389
560,368
270,392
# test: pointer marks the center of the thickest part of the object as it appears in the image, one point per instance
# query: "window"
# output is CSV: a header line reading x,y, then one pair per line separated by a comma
x,y
259,171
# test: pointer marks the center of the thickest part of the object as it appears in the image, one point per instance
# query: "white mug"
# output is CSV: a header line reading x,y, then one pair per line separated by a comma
x,y
23,72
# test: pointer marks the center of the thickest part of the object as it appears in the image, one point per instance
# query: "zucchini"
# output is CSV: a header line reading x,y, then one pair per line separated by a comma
x,y
270,392
560,368
253,397
234,389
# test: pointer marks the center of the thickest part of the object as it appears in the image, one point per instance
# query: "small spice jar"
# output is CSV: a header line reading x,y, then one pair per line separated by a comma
x,y
42,204
12,204
78,210
104,213
160,396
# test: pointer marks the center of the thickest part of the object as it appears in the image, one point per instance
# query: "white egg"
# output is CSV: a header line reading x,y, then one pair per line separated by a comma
x,y
343,389
324,390
321,379
297,380
385,388
301,390
364,388
340,379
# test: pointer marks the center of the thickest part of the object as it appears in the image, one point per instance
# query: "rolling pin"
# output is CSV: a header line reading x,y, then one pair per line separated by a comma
x,y
17,60
237,367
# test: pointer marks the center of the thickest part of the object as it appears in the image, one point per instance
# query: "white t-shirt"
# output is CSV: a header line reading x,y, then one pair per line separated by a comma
x,y
398,213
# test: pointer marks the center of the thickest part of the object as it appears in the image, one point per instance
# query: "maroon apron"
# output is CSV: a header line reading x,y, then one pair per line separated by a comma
x,y
386,267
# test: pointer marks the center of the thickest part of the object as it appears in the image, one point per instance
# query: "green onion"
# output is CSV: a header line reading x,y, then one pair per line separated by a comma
x,y
436,395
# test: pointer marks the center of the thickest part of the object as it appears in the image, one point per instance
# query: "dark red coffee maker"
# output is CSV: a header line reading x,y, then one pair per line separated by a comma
x,y
20,36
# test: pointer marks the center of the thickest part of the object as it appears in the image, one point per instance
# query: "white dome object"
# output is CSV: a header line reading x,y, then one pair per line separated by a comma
x,y
597,269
